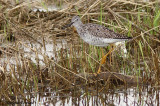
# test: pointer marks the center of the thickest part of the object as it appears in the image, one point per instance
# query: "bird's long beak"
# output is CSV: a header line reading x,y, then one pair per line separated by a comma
x,y
68,25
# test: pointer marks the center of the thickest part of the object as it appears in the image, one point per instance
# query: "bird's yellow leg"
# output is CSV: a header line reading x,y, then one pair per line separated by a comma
x,y
99,70
102,52
112,46
103,60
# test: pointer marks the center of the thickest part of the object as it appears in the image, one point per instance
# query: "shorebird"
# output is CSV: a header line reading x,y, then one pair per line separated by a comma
x,y
97,35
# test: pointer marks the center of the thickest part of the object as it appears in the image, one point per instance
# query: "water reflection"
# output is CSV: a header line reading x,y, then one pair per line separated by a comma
x,y
119,97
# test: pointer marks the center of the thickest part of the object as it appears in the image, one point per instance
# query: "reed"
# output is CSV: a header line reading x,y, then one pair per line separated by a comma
x,y
26,68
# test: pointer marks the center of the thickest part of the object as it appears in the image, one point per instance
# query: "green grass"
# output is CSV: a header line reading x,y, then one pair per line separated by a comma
x,y
156,17
17,1
44,5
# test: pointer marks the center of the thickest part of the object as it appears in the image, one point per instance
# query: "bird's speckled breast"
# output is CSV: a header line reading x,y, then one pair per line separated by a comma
x,y
88,38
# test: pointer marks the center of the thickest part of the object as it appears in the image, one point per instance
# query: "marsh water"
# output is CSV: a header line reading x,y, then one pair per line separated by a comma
x,y
78,95
146,96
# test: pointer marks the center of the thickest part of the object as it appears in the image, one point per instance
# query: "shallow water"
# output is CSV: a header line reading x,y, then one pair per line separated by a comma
x,y
78,97
119,96
131,96
50,51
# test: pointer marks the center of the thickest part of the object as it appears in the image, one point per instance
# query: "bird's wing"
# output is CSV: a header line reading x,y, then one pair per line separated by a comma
x,y
101,31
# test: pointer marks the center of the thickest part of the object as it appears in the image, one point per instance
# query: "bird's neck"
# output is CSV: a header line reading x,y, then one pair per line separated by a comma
x,y
78,25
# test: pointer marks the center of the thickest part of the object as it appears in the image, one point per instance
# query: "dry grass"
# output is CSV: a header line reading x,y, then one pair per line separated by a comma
x,y
21,28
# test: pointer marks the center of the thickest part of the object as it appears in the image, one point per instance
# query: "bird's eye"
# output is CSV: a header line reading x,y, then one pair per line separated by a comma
x,y
76,19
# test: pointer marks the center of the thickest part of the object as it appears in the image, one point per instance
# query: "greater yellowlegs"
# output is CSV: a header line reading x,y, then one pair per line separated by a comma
x,y
96,35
